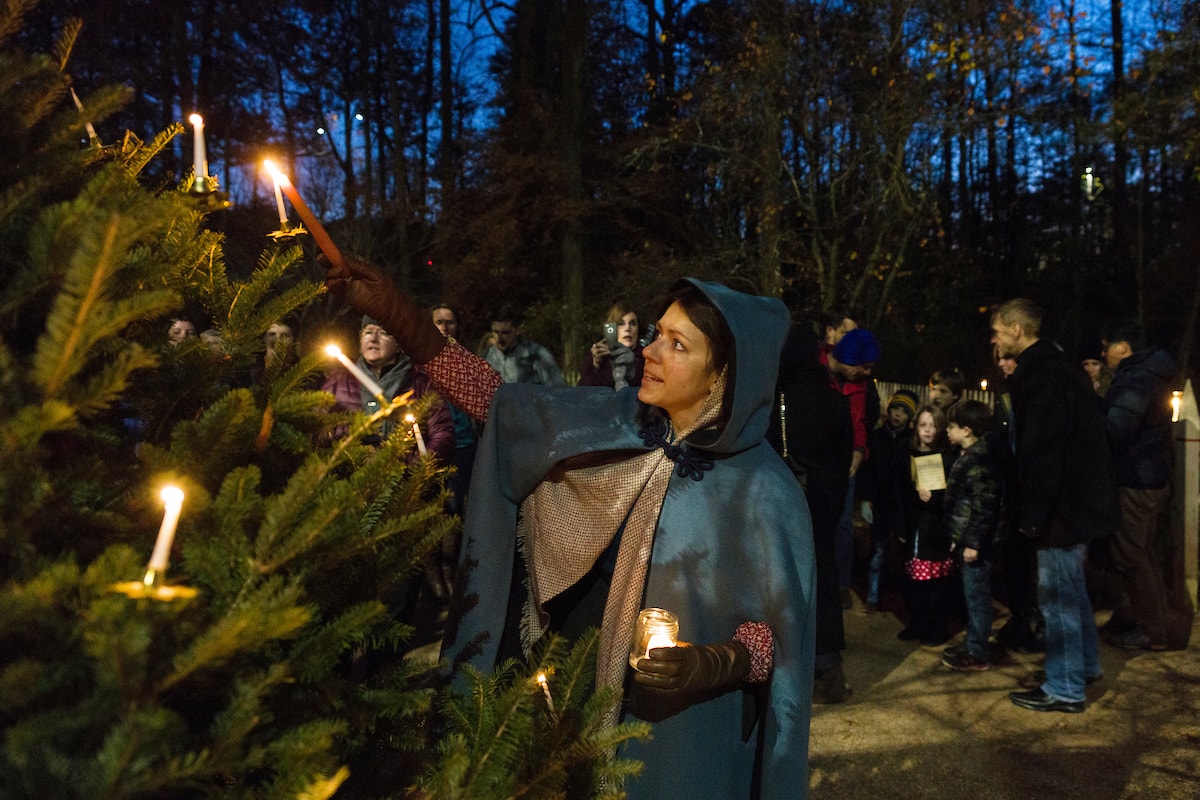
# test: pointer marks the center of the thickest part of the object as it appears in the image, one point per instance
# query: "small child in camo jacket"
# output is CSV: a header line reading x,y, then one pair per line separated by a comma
x,y
973,516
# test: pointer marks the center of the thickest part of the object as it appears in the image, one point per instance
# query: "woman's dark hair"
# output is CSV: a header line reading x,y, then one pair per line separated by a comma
x,y
618,310
1127,331
449,308
705,316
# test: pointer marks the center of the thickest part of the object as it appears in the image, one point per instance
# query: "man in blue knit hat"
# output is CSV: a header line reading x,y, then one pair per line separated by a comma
x,y
850,364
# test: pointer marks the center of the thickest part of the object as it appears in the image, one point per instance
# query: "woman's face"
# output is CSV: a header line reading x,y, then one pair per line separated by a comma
x,y
1092,367
926,429
678,376
444,319
627,330
278,335
180,331
378,347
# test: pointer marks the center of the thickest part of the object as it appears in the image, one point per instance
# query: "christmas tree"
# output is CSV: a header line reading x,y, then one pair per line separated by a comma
x,y
264,654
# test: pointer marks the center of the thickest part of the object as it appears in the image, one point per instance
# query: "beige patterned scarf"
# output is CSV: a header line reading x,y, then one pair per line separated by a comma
x,y
569,520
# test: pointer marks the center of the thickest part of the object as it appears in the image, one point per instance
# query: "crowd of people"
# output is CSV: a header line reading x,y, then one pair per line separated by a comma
x,y
721,467
1042,500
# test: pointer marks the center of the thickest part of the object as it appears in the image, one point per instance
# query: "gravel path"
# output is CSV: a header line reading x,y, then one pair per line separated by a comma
x,y
913,729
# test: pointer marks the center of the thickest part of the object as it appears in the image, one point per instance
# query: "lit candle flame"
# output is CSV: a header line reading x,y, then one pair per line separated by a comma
x,y
541,680
416,430
315,228
275,180
275,174
172,497
199,154
367,382
1176,405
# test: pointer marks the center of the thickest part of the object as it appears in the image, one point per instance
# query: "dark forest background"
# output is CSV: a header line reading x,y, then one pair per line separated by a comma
x,y
911,162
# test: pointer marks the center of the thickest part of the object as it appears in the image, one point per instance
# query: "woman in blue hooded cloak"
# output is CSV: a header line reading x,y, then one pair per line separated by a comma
x,y
588,505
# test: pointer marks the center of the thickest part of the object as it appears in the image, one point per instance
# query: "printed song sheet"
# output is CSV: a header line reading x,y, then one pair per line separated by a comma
x,y
928,472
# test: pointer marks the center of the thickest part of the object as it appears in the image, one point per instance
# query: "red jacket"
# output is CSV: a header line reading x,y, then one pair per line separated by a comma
x,y
856,395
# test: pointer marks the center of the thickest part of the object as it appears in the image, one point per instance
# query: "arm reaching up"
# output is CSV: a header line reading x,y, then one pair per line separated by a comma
x,y
463,378
368,290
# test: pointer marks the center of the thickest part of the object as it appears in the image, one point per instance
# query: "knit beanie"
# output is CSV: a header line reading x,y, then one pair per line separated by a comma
x,y
857,347
1090,350
906,400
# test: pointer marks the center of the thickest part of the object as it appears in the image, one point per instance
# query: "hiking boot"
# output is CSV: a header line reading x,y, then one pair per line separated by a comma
x,y
830,687
954,650
965,662
1133,640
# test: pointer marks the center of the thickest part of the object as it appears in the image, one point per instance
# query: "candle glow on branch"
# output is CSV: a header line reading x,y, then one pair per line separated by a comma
x,y
173,500
199,152
283,218
416,429
362,377
319,234
543,682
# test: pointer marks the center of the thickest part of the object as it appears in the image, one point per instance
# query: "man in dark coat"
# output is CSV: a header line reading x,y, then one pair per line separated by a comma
x,y
1138,417
811,429
1067,494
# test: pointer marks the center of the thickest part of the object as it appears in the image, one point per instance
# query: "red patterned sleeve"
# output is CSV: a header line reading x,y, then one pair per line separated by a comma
x,y
760,642
463,378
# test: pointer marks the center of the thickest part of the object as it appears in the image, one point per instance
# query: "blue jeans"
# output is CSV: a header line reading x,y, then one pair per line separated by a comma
x,y
844,540
880,540
977,592
1072,644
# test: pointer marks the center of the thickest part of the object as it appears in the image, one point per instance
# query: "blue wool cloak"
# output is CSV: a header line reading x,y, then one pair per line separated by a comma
x,y
733,547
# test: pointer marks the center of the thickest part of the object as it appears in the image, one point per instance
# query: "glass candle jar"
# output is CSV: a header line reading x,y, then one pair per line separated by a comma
x,y
656,627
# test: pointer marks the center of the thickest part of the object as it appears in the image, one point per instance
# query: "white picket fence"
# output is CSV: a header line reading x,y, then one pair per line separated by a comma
x,y
886,389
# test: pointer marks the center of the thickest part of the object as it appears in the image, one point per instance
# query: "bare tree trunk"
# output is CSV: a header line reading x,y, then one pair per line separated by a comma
x,y
770,279
574,48
448,152
1189,331
1122,241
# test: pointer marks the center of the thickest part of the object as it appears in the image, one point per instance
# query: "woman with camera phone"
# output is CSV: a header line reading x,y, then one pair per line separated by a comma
x,y
616,360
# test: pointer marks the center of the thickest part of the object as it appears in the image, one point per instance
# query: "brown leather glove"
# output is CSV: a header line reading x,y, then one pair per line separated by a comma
x,y
368,290
693,668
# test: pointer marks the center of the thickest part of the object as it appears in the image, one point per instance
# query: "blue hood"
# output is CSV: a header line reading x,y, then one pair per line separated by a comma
x,y
759,326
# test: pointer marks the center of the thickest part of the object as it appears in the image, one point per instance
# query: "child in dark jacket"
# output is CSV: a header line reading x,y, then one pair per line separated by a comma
x,y
889,443
973,514
929,564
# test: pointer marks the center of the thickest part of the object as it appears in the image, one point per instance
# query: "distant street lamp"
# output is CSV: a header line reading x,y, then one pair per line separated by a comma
x,y
1092,187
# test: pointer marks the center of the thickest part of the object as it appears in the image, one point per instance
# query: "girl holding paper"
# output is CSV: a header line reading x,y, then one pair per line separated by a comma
x,y
925,546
